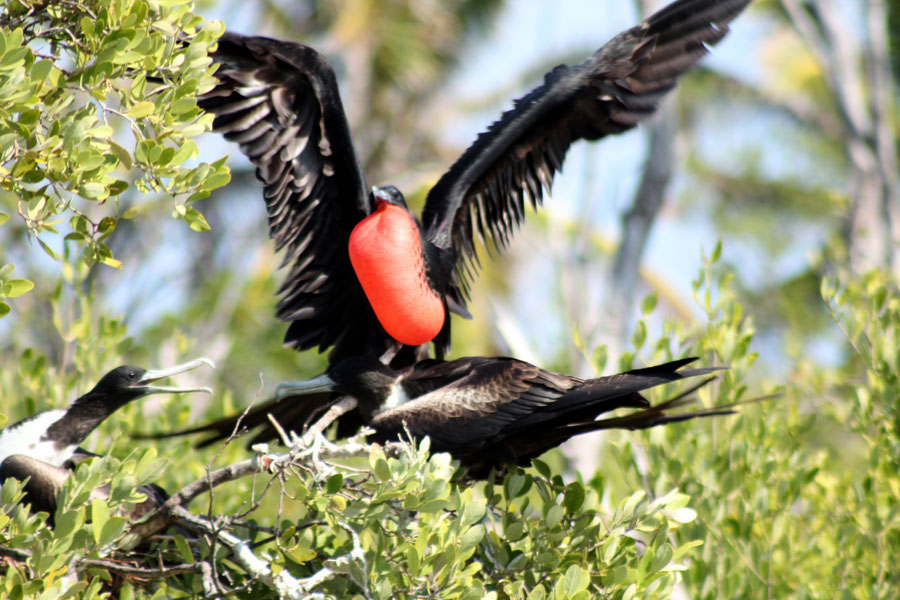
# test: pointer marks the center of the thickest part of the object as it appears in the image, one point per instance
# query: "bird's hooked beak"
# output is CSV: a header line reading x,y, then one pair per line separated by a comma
x,y
388,195
322,383
156,374
380,195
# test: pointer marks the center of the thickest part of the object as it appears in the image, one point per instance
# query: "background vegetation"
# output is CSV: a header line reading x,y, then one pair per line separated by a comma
x,y
117,245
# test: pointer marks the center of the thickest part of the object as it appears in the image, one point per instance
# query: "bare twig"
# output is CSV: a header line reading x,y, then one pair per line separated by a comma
x,y
144,572
259,463
285,584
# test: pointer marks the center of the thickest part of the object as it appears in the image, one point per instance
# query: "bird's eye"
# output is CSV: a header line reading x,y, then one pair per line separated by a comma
x,y
132,375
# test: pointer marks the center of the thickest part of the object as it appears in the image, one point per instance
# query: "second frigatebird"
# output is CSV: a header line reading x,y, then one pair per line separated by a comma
x,y
53,436
490,412
42,482
361,265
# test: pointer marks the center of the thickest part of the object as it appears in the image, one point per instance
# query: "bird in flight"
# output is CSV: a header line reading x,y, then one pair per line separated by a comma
x,y
366,276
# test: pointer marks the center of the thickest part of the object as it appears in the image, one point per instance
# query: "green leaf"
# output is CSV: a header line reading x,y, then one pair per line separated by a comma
x,y
7,270
574,497
16,287
99,517
717,252
514,484
538,593
196,220
683,515
473,513
334,484
109,261
648,304
216,181
183,549
68,522
412,561
471,538
122,154
300,554
541,467
112,529
640,335
94,191
382,469
4,217
47,249
554,516
575,580
141,110
601,356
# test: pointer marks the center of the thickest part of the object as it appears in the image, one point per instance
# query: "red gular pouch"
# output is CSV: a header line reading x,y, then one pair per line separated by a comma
x,y
386,253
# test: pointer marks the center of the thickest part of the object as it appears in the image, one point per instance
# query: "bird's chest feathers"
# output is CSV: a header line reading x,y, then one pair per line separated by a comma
x,y
386,253
397,397
27,438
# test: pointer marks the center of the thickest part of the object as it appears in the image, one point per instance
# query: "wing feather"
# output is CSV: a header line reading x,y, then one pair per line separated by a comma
x,y
610,92
483,396
279,101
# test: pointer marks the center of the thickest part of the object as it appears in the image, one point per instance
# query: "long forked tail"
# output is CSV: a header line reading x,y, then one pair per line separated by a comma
x,y
662,414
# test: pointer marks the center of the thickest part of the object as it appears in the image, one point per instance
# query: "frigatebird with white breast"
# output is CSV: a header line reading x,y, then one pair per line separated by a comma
x,y
42,444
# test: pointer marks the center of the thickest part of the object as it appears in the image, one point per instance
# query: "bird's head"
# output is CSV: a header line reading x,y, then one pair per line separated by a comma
x,y
127,383
363,377
388,194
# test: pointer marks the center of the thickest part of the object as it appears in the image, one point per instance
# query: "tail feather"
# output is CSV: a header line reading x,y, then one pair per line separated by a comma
x,y
660,415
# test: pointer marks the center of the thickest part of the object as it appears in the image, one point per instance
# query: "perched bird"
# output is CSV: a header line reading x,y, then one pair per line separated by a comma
x,y
42,482
366,276
39,445
490,412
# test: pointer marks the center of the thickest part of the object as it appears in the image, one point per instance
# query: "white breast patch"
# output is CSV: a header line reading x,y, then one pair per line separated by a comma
x,y
25,438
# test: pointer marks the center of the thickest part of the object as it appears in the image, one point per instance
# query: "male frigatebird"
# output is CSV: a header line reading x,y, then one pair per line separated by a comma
x,y
489,412
52,437
361,264
280,102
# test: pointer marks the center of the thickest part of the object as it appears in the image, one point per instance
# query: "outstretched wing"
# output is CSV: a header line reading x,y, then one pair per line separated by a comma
x,y
280,102
609,93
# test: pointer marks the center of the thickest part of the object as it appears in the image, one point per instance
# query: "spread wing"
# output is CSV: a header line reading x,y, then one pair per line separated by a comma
x,y
610,92
279,101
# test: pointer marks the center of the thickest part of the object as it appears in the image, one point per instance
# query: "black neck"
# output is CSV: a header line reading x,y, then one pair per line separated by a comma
x,y
84,415
367,380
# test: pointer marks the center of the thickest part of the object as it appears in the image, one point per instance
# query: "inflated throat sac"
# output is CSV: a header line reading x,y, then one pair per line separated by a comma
x,y
386,254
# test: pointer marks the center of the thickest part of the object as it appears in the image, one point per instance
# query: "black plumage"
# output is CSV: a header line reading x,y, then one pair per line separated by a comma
x,y
490,412
280,102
